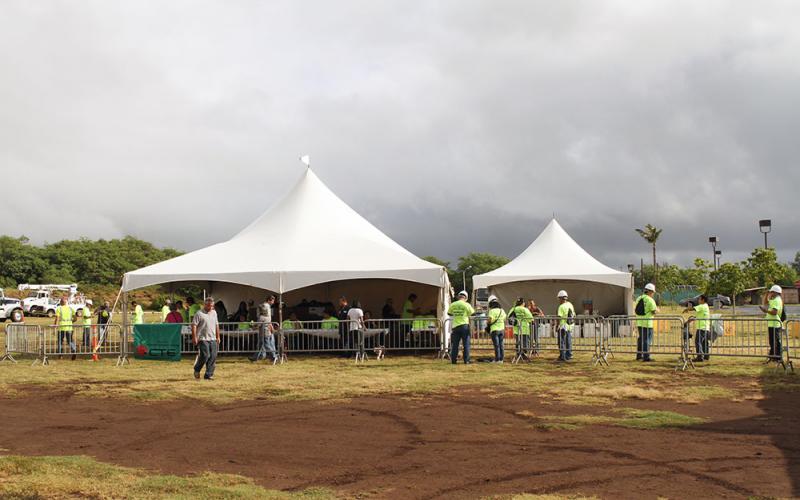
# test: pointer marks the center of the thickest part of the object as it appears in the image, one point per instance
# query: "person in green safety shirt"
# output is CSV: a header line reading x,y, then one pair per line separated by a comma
x,y
566,322
63,322
87,324
773,307
460,310
702,313
408,312
496,321
644,322
165,310
291,323
138,313
193,307
524,321
329,322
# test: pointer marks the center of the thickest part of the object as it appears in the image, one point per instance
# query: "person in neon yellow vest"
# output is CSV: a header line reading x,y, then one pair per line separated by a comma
x,y
702,313
291,323
566,315
644,323
63,321
329,322
524,319
773,307
460,311
87,324
138,313
497,328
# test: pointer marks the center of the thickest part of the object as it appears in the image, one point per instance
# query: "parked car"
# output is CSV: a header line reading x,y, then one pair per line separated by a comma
x,y
712,300
10,309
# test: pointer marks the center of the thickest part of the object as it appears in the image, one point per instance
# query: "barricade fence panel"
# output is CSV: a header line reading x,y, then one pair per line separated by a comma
x,y
793,340
22,339
81,340
552,333
642,337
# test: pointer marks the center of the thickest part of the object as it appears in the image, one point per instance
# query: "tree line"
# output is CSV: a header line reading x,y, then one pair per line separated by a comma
x,y
84,261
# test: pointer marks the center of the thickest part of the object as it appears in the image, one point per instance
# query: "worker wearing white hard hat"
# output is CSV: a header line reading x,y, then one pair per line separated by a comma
x,y
496,324
645,309
566,322
460,311
773,308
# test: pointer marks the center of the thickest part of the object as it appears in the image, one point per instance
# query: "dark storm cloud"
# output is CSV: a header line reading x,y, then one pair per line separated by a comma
x,y
453,126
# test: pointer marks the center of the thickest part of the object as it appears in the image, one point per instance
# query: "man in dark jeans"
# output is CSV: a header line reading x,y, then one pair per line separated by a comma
x,y
205,335
344,323
460,311
773,307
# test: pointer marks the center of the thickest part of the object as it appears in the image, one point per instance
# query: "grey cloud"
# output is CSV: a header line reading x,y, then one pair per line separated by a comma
x,y
453,126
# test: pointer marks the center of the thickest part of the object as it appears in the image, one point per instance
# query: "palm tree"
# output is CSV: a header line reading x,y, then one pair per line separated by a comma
x,y
651,234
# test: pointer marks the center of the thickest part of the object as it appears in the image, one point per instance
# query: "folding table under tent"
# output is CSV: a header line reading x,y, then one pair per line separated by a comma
x,y
554,261
312,245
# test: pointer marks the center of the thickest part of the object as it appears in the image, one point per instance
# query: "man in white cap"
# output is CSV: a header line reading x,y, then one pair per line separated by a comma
x,y
645,309
566,320
460,310
773,307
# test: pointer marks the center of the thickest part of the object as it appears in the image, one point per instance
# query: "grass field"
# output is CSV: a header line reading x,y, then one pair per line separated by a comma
x,y
565,400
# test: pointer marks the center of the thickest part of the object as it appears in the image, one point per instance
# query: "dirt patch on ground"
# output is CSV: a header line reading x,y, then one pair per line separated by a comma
x,y
464,443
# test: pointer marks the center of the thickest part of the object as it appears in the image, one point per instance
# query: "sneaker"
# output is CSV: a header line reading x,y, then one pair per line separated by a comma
x,y
499,362
197,375
648,360
209,378
74,357
698,359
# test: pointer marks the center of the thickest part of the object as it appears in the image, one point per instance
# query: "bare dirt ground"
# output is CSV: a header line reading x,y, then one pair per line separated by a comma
x,y
463,443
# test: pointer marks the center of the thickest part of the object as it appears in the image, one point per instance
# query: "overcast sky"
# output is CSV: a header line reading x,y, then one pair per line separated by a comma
x,y
452,126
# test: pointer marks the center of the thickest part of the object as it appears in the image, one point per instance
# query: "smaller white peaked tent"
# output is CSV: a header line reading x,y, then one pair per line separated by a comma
x,y
554,261
310,242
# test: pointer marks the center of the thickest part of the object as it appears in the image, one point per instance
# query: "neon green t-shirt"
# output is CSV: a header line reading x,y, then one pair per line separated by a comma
x,y
422,322
164,313
564,311
408,310
330,323
87,316
646,320
193,310
775,319
244,325
702,313
524,318
460,310
138,315
497,320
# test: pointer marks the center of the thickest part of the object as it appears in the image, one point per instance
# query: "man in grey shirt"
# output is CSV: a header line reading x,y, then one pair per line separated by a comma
x,y
266,346
205,335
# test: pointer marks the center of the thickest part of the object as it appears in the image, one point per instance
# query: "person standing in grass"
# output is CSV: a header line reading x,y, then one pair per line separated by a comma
x,y
524,318
266,335
138,313
497,328
87,324
205,335
63,321
773,307
702,313
460,311
165,310
645,309
566,322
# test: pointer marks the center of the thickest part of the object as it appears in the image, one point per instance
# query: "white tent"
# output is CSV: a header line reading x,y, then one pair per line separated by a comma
x,y
311,238
554,261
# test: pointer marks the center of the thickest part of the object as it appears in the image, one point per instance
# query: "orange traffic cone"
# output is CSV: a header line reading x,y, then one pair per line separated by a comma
x,y
94,348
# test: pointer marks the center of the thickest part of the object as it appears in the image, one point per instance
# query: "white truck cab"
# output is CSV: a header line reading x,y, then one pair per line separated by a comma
x,y
10,308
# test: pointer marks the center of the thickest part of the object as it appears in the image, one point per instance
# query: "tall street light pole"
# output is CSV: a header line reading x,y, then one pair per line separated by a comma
x,y
464,277
713,241
765,226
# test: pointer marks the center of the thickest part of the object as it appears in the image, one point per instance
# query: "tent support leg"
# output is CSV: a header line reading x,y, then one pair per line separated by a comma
x,y
123,348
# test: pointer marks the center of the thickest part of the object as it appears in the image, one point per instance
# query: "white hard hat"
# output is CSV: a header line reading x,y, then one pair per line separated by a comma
x,y
562,294
491,298
776,289
89,302
650,287
463,293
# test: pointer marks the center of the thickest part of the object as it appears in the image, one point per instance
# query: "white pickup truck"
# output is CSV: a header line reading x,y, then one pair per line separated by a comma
x,y
41,303
10,308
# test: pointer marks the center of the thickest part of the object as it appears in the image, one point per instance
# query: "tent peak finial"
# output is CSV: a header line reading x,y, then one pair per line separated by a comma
x,y
306,160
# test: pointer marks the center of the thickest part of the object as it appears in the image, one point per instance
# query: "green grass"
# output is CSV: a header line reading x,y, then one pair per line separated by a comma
x,y
622,417
83,477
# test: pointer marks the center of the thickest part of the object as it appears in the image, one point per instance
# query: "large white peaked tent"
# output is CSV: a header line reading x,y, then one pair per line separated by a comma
x,y
555,261
309,238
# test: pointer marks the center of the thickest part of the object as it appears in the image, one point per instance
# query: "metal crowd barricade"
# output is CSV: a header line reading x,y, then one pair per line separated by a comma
x,y
80,340
749,337
318,336
23,340
621,335
545,336
792,341
480,340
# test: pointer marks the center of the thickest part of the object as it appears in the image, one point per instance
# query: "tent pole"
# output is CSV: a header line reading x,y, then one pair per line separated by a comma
x,y
123,349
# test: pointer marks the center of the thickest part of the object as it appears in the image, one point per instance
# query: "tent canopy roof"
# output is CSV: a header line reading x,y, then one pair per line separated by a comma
x,y
310,236
554,255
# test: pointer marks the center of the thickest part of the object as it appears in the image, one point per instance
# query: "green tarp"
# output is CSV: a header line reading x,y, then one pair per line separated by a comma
x,y
157,341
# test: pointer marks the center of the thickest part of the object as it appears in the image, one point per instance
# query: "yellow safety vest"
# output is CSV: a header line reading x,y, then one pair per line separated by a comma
x,y
64,314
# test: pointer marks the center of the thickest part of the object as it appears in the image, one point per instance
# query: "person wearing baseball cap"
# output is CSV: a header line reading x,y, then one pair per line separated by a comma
x,y
773,307
460,310
645,309
566,315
